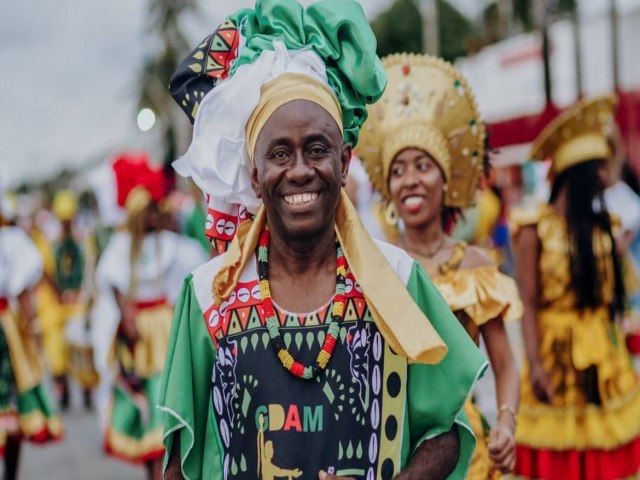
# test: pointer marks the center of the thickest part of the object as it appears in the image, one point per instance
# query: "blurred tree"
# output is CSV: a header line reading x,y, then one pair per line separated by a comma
x,y
456,32
164,25
523,10
399,29
494,24
566,6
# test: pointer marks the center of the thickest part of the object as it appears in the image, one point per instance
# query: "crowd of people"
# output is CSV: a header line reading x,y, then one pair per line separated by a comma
x,y
318,310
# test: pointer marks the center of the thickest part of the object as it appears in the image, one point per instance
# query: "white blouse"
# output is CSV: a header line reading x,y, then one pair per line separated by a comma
x,y
20,262
165,260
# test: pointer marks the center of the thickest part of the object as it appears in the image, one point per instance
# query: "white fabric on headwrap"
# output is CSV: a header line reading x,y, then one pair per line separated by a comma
x,y
217,159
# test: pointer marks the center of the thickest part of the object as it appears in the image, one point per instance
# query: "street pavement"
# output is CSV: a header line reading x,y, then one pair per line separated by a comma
x,y
79,456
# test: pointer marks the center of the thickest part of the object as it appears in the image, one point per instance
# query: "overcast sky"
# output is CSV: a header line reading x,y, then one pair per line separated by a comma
x,y
69,70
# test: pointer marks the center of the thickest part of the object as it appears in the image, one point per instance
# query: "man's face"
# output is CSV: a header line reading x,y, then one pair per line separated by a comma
x,y
301,163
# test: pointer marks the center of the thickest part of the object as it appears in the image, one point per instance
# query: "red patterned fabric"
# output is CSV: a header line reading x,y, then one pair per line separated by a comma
x,y
614,464
244,310
221,227
222,50
208,63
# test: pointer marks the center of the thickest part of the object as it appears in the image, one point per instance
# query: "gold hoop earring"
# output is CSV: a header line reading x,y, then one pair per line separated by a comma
x,y
391,215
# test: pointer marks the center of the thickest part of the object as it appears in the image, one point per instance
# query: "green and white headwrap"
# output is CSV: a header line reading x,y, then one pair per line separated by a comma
x,y
219,86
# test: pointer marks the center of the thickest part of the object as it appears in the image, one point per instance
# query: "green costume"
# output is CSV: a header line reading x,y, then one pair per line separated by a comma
x,y
367,391
236,411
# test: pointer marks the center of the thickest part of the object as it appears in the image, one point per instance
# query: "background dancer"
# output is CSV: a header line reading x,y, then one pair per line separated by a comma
x,y
424,148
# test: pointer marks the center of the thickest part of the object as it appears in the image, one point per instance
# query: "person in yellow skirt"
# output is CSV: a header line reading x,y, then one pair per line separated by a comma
x,y
424,147
67,281
25,410
580,412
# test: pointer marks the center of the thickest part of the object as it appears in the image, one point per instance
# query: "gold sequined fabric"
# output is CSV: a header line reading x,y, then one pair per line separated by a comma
x,y
574,346
554,267
482,293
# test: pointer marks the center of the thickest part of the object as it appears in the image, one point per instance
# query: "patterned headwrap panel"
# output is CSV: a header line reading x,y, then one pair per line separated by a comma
x,y
209,62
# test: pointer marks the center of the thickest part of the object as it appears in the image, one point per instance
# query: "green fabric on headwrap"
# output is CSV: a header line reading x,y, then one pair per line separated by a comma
x,y
337,31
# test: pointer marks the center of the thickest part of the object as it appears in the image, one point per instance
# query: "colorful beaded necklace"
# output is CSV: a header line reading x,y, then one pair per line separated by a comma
x,y
296,368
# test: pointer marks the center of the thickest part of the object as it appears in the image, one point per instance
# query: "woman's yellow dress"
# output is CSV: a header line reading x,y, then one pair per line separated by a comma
x,y
476,296
591,429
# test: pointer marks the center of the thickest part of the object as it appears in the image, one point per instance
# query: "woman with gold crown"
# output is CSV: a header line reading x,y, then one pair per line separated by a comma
x,y
423,146
580,411
25,410
141,267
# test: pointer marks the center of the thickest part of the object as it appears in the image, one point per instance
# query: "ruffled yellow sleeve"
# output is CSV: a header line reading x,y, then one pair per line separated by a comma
x,y
520,217
483,293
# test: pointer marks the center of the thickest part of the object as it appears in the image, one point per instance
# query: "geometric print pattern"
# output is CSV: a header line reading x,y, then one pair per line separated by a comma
x,y
243,311
209,62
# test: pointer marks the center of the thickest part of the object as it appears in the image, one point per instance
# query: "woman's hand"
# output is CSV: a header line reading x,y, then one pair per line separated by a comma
x,y
540,383
128,323
502,447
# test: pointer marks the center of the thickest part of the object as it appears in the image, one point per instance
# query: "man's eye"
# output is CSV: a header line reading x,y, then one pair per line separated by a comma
x,y
278,154
396,172
317,150
423,166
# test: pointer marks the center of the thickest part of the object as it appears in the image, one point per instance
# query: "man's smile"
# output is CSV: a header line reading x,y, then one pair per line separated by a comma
x,y
299,199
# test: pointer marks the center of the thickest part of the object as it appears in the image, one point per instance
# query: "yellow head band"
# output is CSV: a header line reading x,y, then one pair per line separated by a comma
x,y
65,205
284,89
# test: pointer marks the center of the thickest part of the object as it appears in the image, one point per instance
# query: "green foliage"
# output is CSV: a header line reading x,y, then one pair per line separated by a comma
x,y
523,13
523,10
456,32
565,6
399,29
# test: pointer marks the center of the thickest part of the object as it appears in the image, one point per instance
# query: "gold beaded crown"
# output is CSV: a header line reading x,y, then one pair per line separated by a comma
x,y
427,105
577,135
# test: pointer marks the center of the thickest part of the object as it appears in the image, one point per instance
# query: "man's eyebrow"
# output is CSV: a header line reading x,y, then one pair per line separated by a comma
x,y
319,137
278,141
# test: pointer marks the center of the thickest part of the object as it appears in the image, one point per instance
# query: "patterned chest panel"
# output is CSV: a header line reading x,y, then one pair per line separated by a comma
x,y
273,425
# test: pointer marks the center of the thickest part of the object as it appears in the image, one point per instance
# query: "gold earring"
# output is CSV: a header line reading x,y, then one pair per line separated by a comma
x,y
391,215
445,188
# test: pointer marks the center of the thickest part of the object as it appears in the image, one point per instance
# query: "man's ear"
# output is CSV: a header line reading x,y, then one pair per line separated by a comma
x,y
254,180
347,151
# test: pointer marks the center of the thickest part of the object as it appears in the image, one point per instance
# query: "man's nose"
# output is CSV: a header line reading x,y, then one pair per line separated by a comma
x,y
300,169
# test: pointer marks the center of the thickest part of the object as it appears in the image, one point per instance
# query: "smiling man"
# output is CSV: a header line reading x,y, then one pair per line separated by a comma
x,y
307,350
